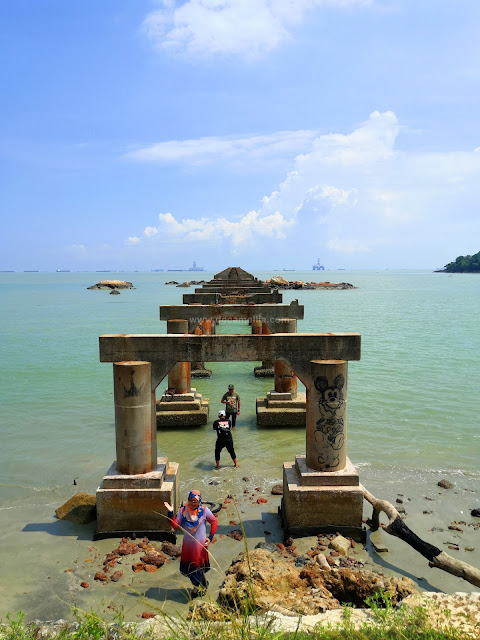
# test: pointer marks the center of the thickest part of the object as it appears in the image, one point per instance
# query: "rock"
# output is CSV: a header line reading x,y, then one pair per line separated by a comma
x,y
80,509
236,534
183,284
340,544
379,548
207,611
269,546
101,577
355,587
172,282
85,585
277,490
151,568
116,576
148,614
264,581
445,484
278,280
261,501
112,284
114,292
138,566
322,561
156,558
171,550
475,513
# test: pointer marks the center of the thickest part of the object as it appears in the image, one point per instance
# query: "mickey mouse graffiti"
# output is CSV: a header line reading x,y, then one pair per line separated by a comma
x,y
330,427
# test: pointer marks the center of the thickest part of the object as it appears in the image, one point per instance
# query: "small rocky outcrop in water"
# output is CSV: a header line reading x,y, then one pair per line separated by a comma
x,y
280,283
80,509
267,581
112,284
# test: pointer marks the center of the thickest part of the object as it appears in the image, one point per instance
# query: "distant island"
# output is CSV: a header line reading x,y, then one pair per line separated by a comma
x,y
463,264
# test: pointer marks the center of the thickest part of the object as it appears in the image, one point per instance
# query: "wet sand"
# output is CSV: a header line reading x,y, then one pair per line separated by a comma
x,y
48,559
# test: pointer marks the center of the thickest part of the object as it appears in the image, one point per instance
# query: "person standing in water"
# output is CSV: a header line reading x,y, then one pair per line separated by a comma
x,y
231,400
192,519
223,427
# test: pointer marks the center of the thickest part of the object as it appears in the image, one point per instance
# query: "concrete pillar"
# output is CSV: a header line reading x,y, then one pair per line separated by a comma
x,y
285,378
207,327
135,431
256,327
179,375
327,416
266,364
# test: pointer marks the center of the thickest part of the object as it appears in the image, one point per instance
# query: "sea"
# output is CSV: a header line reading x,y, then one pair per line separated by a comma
x,y
413,403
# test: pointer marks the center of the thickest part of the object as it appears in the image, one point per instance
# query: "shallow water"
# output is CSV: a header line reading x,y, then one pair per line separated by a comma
x,y
413,402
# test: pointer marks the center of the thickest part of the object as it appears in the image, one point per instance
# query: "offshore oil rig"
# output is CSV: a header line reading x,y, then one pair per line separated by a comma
x,y
318,266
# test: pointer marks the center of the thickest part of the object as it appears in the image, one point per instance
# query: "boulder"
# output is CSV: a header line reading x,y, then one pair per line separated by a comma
x,y
80,509
340,544
267,580
112,284
277,490
114,292
445,484
475,513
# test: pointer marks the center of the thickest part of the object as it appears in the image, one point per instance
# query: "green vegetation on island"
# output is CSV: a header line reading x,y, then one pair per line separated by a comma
x,y
464,264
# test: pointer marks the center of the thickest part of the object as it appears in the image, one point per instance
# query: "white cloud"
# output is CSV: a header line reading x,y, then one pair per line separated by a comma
x,y
353,194
133,240
247,28
220,149
241,232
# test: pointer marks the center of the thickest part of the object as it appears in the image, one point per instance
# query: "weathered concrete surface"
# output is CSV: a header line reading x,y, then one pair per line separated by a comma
x,y
133,504
267,313
315,502
182,410
165,350
218,298
275,412
135,432
80,509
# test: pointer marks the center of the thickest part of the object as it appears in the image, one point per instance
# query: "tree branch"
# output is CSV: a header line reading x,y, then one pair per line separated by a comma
x,y
436,557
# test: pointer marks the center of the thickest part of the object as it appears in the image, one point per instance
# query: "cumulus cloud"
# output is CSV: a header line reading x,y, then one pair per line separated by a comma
x,y
239,232
352,193
247,28
228,148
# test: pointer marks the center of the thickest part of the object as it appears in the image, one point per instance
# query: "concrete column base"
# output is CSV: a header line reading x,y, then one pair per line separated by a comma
x,y
132,505
198,370
264,371
320,501
182,410
281,410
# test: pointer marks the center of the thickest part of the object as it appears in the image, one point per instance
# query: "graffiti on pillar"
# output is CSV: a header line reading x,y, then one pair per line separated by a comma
x,y
330,427
132,390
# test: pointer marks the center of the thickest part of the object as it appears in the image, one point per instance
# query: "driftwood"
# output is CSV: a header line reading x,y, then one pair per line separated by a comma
x,y
435,556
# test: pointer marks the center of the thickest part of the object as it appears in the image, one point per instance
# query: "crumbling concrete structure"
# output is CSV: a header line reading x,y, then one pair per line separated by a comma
x,y
283,406
321,489
180,404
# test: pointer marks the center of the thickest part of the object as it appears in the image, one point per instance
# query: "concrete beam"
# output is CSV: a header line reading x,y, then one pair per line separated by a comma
x,y
267,313
163,351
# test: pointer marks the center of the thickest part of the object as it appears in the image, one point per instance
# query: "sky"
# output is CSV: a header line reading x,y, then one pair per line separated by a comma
x,y
256,133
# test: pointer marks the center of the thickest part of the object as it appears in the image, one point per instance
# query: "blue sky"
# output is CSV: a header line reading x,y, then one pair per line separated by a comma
x,y
259,133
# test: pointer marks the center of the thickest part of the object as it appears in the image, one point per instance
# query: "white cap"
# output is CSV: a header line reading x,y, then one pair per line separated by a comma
x,y
221,413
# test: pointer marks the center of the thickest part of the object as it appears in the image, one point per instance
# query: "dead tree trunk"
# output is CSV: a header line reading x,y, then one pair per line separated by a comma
x,y
435,556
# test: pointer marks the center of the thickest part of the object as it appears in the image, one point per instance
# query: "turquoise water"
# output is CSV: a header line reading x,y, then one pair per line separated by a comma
x,y
413,399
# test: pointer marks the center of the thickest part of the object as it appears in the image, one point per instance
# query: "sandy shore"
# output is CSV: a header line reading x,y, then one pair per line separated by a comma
x,y
45,564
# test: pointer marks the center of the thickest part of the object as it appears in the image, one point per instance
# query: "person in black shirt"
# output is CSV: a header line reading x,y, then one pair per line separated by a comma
x,y
223,427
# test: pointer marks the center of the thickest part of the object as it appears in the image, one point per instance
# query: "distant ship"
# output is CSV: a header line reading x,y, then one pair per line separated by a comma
x,y
156,270
318,266
192,268
289,269
62,271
